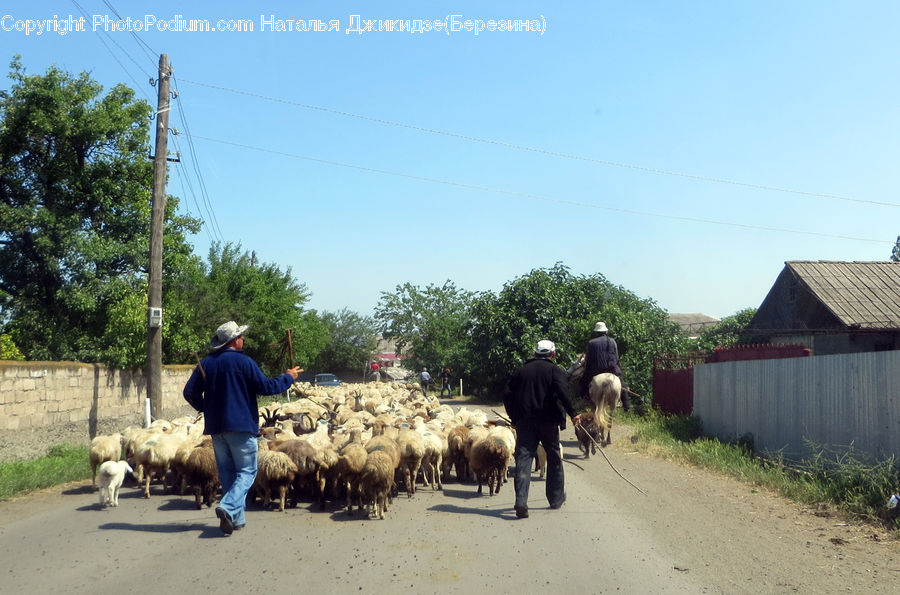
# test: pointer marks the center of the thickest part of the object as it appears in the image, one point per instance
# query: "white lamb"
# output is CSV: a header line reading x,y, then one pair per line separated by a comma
x,y
112,474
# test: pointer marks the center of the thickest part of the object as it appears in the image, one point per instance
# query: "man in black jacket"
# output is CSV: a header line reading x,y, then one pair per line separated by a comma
x,y
537,401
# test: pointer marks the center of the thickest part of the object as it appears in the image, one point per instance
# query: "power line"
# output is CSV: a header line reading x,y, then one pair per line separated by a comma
x,y
540,151
137,85
536,196
184,179
214,222
141,43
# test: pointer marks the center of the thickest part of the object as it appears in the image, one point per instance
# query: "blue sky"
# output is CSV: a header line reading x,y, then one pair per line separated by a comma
x,y
684,150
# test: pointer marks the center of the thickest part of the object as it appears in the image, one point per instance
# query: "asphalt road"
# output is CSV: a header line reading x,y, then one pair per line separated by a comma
x,y
693,532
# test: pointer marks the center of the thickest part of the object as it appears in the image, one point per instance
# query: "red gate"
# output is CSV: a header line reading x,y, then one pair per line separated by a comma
x,y
673,383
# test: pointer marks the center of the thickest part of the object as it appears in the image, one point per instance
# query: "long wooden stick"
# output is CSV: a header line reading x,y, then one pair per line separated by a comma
x,y
290,343
613,466
199,365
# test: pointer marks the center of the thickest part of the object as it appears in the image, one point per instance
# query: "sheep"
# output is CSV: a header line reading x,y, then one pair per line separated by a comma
x,y
350,466
276,472
201,472
104,448
489,458
176,465
475,434
456,449
112,474
155,455
589,434
377,480
412,451
506,434
308,461
433,456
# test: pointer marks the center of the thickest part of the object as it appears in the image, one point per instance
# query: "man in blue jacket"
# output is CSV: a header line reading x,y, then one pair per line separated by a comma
x,y
537,401
224,387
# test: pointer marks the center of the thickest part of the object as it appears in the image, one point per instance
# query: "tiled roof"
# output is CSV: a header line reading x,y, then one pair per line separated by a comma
x,y
860,294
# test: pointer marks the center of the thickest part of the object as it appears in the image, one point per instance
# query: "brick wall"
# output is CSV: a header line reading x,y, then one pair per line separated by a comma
x,y
39,394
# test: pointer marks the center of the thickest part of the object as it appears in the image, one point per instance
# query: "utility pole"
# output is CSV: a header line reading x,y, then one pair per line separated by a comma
x,y
157,220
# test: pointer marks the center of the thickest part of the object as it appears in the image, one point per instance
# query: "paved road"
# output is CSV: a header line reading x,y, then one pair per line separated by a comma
x,y
693,532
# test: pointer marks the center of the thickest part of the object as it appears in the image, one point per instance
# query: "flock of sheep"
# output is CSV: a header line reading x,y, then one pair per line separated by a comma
x,y
360,442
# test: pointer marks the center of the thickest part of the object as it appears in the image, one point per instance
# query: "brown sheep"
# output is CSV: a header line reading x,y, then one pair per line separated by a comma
x,y
276,472
489,458
456,442
377,480
202,475
308,462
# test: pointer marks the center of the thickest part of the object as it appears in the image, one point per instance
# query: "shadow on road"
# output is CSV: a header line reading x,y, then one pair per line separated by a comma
x,y
504,514
206,531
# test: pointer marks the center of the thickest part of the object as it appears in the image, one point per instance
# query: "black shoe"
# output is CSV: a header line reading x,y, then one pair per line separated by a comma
x,y
559,504
521,512
225,523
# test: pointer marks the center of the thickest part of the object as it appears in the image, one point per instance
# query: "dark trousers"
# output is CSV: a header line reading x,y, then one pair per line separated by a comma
x,y
528,434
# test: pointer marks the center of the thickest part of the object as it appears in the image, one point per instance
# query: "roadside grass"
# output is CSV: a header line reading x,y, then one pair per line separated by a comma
x,y
848,480
62,464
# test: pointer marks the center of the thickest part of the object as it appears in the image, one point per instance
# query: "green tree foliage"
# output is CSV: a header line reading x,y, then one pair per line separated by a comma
x,y
351,342
726,333
238,288
895,251
74,215
9,350
431,324
554,304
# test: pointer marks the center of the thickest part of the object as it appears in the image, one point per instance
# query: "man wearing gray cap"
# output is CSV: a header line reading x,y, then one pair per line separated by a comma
x,y
537,401
224,387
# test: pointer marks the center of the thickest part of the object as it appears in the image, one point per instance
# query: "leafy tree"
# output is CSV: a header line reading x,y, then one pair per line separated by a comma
x,y
74,215
238,288
895,252
554,304
351,341
726,333
431,324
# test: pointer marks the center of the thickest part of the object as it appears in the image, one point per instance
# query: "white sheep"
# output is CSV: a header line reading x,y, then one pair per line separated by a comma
x,y
412,451
112,474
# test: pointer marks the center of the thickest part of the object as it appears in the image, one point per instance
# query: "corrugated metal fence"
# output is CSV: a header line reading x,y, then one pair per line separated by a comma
x,y
831,400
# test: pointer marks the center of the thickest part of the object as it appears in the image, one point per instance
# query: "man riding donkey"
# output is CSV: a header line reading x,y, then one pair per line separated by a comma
x,y
601,381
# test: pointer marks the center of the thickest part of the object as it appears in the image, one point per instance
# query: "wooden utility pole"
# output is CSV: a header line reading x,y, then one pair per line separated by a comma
x,y
157,220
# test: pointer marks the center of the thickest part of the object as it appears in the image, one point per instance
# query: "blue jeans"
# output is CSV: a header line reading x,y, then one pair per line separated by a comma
x,y
528,434
236,460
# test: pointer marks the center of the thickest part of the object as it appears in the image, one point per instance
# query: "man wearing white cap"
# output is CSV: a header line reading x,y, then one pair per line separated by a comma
x,y
224,387
537,400
602,356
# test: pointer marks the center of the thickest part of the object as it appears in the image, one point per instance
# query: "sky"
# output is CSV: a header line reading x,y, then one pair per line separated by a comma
x,y
683,150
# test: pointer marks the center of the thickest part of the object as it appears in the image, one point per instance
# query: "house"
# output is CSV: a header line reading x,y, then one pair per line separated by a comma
x,y
691,324
832,307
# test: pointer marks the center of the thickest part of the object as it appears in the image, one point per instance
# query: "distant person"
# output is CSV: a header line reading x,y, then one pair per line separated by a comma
x,y
424,380
537,401
445,382
224,387
602,356
375,374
